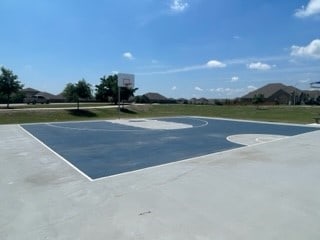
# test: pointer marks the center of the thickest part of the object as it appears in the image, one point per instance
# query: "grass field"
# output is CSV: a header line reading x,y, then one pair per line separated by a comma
x,y
289,114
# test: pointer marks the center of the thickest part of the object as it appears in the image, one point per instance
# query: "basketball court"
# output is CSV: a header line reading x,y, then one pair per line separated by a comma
x,y
104,148
160,178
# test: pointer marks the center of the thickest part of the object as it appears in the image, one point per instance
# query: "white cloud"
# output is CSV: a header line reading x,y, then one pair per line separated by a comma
x,y
304,80
252,88
312,8
208,65
312,50
174,88
229,92
114,72
128,55
178,5
198,89
259,66
237,61
234,79
220,90
215,64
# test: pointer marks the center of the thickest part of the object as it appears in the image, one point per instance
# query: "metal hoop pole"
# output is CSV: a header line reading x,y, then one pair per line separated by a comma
x,y
119,102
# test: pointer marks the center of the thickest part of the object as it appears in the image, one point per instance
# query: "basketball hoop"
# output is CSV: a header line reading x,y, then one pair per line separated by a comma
x,y
127,83
315,85
126,80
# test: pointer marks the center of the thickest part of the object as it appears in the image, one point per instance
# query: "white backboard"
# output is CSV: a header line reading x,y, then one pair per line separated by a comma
x,y
125,80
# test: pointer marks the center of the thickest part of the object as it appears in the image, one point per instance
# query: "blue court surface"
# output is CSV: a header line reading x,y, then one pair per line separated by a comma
x,y
101,148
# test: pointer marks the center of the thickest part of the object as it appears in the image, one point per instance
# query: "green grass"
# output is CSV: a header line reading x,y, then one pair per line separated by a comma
x,y
289,114
31,116
54,105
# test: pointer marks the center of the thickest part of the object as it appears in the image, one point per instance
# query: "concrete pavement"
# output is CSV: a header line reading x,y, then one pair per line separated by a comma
x,y
264,191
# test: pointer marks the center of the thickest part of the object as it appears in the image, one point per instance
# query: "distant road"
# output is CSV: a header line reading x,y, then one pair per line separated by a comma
x,y
54,106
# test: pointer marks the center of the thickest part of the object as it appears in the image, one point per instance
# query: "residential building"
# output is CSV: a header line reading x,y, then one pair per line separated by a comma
x,y
275,93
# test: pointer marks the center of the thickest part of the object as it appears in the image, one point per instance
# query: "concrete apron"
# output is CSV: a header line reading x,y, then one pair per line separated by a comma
x,y
264,191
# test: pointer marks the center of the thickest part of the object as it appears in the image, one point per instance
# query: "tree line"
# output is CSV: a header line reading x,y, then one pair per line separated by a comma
x,y
106,91
9,84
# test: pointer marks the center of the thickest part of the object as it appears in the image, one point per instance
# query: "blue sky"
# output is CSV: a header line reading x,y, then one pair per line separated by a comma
x,y
179,48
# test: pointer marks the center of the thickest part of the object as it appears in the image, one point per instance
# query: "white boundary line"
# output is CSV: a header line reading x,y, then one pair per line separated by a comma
x,y
51,124
80,121
95,129
205,123
55,153
272,137
210,154
126,122
262,122
190,159
54,125
178,161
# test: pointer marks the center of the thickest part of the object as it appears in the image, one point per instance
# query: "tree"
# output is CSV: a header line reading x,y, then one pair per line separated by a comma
x,y
303,98
126,93
73,92
257,99
69,92
108,88
9,84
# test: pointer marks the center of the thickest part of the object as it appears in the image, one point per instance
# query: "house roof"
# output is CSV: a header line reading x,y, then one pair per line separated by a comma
x,y
270,89
155,96
48,95
312,93
30,90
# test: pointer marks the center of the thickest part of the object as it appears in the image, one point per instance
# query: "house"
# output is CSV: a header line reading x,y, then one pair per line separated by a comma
x,y
31,92
275,93
182,101
51,97
152,97
200,101
313,94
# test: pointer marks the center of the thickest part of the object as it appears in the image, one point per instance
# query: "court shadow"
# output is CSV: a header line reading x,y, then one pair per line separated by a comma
x,y
81,113
125,110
